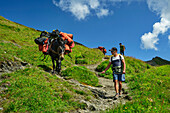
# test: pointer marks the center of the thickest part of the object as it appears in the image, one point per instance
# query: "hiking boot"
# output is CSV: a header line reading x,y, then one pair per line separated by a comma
x,y
116,96
120,94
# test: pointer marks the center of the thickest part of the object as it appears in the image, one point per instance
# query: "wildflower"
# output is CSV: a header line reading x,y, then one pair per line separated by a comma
x,y
150,99
125,107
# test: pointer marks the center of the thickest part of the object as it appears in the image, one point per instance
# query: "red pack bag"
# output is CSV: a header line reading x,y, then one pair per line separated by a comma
x,y
45,48
40,47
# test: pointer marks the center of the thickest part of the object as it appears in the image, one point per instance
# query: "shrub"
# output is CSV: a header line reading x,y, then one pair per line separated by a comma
x,y
81,74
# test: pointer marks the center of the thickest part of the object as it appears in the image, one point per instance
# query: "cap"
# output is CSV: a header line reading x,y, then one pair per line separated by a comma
x,y
113,49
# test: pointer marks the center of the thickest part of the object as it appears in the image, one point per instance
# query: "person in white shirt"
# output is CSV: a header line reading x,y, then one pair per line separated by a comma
x,y
119,68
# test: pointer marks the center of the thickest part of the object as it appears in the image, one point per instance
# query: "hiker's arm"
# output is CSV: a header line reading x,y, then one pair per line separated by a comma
x,y
108,66
124,66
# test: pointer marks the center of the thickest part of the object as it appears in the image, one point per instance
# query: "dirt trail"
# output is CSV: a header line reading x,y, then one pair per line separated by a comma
x,y
104,95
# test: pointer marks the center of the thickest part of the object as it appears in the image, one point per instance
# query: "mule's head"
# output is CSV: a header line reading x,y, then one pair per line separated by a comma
x,y
61,47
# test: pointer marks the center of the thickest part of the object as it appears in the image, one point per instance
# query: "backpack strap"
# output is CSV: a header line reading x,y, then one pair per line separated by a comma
x,y
120,58
111,59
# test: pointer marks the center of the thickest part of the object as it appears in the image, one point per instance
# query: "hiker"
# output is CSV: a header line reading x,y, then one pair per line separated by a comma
x,y
118,67
122,49
102,49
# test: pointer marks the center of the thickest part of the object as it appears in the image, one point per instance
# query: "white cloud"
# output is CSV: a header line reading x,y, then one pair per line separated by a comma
x,y
149,40
83,8
94,4
169,39
162,8
79,8
103,12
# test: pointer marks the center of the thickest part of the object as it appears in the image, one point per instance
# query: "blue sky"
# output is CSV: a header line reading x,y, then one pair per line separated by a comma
x,y
143,26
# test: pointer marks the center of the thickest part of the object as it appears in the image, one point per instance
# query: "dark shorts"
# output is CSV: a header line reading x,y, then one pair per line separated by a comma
x,y
119,77
122,52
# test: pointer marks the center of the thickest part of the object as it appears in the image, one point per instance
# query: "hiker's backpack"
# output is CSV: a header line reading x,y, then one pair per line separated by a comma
x,y
117,69
102,49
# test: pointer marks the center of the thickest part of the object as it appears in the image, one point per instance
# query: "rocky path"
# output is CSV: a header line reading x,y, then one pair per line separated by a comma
x,y
104,96
8,67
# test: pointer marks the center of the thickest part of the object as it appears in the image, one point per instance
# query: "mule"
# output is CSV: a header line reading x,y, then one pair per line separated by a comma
x,y
56,51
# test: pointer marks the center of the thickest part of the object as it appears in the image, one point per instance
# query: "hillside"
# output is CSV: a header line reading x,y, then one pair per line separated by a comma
x,y
27,85
34,82
18,41
157,61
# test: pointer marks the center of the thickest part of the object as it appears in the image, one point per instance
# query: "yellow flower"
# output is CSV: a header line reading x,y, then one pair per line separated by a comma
x,y
125,107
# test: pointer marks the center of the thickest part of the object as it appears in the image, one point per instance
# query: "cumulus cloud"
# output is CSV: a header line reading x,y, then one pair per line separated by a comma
x,y
103,12
162,8
94,4
83,8
78,9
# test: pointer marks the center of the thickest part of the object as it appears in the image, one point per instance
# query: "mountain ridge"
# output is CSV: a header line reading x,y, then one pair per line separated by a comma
x,y
158,61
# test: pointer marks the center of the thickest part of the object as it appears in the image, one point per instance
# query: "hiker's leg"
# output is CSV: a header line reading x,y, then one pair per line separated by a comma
x,y
120,86
121,52
115,80
116,86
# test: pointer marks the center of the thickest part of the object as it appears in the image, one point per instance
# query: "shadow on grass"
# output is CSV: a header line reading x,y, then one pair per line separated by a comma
x,y
45,68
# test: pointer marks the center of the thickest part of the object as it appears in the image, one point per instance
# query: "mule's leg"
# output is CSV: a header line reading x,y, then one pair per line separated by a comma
x,y
58,67
53,65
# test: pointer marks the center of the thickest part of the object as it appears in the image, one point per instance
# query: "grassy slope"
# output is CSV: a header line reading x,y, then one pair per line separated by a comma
x,y
32,89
